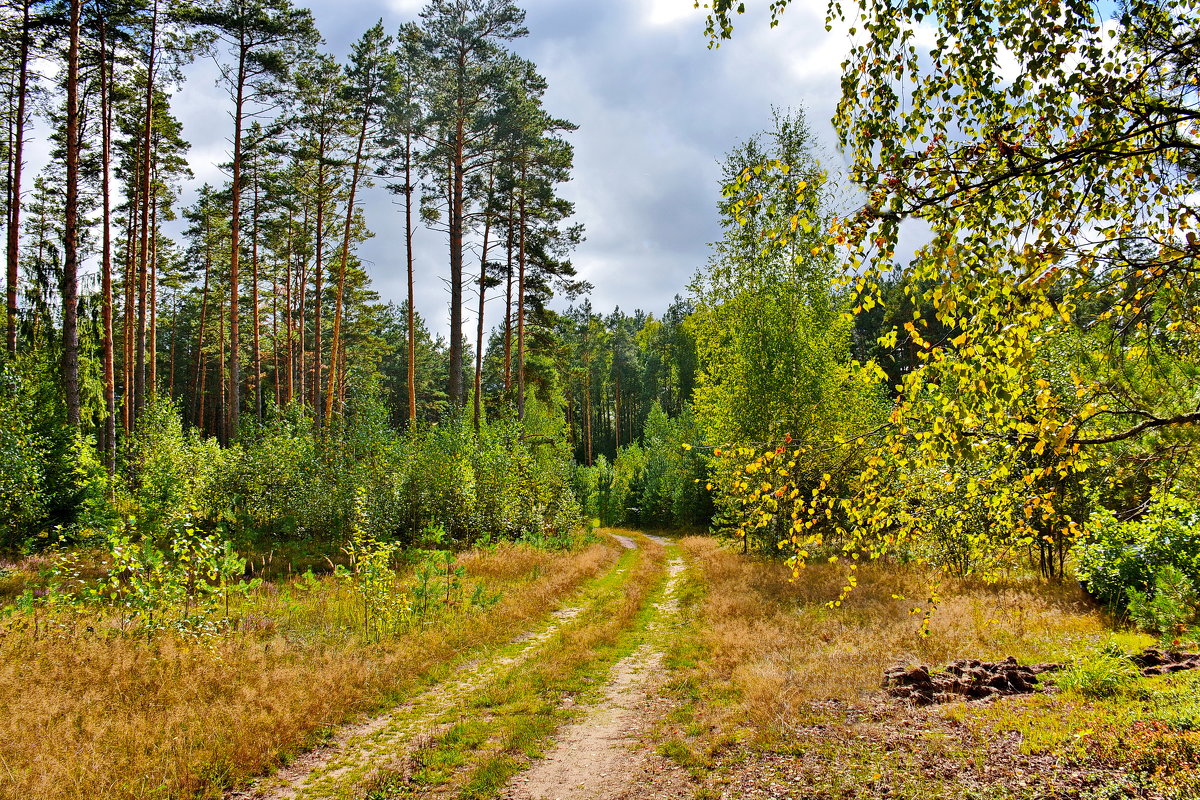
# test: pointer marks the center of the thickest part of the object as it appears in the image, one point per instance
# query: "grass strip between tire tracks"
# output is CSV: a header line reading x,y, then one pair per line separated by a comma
x,y
509,724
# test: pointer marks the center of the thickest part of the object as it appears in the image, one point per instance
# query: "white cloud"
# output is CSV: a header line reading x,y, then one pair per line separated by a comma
x,y
669,12
408,8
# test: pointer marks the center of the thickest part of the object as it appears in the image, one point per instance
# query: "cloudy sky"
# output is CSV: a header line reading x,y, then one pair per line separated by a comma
x,y
656,111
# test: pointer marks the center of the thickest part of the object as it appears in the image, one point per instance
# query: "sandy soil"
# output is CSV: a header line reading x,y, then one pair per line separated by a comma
x,y
605,756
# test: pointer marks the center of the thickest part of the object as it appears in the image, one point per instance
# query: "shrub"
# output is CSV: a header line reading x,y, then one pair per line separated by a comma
x,y
52,487
659,482
173,473
22,504
1116,556
1168,606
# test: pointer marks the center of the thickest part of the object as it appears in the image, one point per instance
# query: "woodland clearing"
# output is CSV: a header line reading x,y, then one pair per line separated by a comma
x,y
641,667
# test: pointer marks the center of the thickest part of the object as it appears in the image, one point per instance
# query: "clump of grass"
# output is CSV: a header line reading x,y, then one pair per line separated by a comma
x,y
1099,673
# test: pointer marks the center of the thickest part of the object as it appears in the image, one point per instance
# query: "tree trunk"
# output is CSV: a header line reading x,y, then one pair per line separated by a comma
x,y
521,308
139,389
258,404
200,366
152,343
457,203
70,282
302,290
233,403
106,288
14,208
275,336
287,317
336,346
617,412
408,253
508,315
319,289
127,348
221,414
174,335
487,229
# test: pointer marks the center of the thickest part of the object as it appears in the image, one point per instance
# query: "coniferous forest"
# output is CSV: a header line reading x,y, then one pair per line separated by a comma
x,y
895,498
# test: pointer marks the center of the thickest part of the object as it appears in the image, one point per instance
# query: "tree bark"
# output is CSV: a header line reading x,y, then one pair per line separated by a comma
x,y
14,208
319,288
487,229
257,344
233,403
70,281
139,390
457,203
521,306
508,315
200,365
152,342
408,253
336,346
106,287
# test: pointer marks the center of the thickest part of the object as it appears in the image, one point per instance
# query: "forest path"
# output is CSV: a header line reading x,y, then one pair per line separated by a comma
x,y
604,755
341,768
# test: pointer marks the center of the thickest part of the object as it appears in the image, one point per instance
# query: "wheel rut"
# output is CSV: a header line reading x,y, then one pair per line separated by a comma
x,y
603,756
341,767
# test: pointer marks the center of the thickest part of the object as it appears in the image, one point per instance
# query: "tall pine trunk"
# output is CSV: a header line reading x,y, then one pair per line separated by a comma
x,y
508,300
139,389
152,342
336,345
200,365
487,229
14,202
234,400
521,303
319,288
70,279
457,203
257,343
106,287
408,254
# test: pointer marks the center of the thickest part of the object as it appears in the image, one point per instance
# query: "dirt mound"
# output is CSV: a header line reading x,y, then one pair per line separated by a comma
x,y
969,679
1153,661
965,679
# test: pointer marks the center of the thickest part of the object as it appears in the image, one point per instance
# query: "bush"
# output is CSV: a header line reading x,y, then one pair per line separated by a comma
x,y
1167,607
287,479
22,504
659,483
52,487
1115,557
173,473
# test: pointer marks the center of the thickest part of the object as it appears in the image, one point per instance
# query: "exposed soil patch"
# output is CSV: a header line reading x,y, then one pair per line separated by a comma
x,y
965,679
971,679
1154,661
604,756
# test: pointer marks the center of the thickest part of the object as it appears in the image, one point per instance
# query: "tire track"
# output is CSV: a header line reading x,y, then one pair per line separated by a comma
x,y
598,757
340,767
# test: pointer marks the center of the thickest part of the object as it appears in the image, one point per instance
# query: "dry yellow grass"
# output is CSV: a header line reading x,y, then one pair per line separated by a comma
x,y
89,716
779,647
